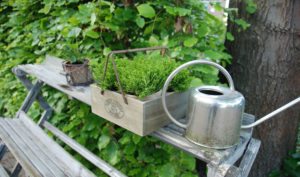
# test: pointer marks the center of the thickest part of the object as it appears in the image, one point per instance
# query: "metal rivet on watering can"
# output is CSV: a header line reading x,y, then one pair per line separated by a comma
x,y
214,113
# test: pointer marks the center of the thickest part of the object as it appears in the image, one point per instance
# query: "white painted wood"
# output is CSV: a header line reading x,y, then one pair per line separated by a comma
x,y
139,116
59,154
3,172
108,169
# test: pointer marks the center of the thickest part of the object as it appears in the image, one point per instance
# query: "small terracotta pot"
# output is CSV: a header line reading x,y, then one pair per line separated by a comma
x,y
78,73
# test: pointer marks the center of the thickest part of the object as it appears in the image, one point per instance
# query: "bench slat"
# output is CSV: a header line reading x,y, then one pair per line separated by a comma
x,y
18,153
21,144
3,172
73,166
39,149
108,169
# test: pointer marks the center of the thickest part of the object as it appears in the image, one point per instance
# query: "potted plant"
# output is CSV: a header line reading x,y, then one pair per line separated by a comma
x,y
131,96
76,67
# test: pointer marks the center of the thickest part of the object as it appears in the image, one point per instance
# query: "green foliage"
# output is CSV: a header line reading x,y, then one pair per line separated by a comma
x,y
290,168
72,53
31,29
142,76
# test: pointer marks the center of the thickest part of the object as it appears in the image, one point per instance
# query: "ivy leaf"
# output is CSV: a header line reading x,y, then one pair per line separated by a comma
x,y
242,23
93,18
167,170
140,22
177,11
251,7
106,51
146,10
190,42
92,34
112,153
213,54
187,161
74,32
202,30
46,8
103,141
229,36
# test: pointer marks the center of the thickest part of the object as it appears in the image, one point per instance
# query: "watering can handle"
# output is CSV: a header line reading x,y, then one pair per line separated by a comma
x,y
177,70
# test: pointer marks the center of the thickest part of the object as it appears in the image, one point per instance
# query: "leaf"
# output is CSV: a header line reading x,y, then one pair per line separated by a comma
x,y
140,22
106,51
146,10
251,7
203,30
213,54
93,19
74,32
177,11
46,8
190,42
229,36
242,23
112,153
92,34
103,141
187,161
167,170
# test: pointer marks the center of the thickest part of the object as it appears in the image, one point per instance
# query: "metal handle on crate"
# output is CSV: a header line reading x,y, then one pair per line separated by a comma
x,y
112,53
184,66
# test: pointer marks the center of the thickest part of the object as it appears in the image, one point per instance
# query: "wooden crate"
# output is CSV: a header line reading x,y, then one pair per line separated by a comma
x,y
139,116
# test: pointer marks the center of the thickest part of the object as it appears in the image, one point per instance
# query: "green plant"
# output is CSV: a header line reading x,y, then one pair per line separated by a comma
x,y
72,53
290,168
143,75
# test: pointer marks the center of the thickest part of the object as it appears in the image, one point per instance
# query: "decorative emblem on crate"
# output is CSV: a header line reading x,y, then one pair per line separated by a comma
x,y
114,108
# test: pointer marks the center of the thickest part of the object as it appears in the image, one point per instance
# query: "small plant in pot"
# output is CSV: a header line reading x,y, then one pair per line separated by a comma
x,y
76,67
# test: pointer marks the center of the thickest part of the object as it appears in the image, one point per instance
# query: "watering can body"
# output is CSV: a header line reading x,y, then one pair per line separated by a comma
x,y
214,116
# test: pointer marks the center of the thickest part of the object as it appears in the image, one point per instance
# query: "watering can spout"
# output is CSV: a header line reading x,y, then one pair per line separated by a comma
x,y
270,115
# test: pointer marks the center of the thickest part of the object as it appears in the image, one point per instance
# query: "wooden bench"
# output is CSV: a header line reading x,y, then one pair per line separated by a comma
x,y
36,152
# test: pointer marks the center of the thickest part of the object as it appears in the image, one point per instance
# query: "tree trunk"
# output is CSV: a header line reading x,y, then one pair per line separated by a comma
x,y
266,69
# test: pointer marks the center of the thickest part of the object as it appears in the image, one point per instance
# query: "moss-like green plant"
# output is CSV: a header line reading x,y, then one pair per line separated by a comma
x,y
143,75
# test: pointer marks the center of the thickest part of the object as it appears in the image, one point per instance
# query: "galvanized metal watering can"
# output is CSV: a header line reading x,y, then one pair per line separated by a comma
x,y
214,113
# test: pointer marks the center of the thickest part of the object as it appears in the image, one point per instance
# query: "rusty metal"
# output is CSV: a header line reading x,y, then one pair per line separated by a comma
x,y
112,53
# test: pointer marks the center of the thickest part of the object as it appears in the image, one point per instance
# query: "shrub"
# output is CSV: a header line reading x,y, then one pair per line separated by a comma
x,y
143,75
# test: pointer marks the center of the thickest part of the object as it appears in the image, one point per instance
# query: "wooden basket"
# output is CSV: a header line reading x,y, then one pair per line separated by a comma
x,y
139,116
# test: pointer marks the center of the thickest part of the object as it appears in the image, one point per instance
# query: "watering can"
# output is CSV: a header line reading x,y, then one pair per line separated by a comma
x,y
214,113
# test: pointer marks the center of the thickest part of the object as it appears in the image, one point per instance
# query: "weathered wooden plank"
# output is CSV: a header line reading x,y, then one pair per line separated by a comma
x,y
18,153
3,172
69,162
249,157
54,77
39,149
108,169
35,158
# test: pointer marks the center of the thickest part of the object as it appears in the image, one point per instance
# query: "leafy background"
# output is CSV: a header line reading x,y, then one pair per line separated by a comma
x,y
29,29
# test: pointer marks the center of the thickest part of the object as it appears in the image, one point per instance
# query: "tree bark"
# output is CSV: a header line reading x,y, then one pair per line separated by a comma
x,y
266,69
